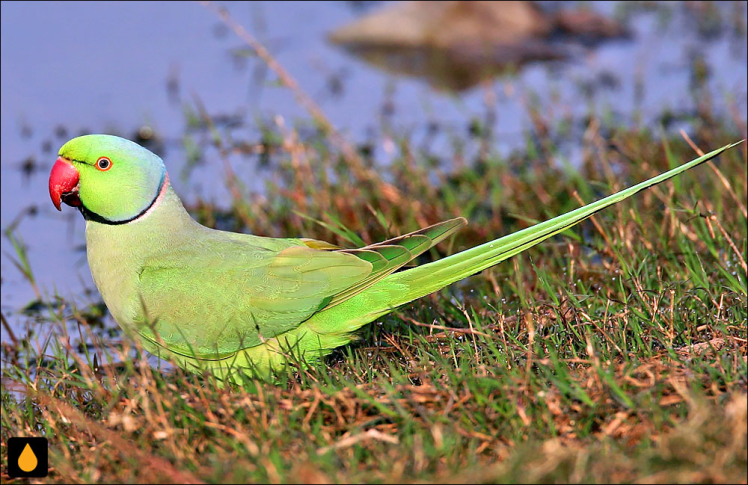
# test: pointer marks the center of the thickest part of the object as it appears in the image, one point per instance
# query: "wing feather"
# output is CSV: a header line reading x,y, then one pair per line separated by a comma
x,y
210,298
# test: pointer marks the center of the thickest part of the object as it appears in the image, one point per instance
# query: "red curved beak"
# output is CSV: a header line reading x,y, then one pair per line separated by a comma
x,y
63,183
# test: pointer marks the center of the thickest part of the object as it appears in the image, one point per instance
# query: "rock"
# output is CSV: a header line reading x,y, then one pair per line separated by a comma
x,y
457,44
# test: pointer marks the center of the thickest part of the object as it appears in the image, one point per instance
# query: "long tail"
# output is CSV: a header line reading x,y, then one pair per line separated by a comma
x,y
431,277
406,286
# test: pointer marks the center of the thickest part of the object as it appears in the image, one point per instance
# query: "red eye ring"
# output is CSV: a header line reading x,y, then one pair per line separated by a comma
x,y
103,164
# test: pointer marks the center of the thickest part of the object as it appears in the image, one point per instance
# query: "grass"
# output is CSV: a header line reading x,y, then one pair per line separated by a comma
x,y
613,353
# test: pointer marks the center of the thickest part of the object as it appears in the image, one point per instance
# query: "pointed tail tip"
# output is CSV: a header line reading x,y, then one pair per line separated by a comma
x,y
719,151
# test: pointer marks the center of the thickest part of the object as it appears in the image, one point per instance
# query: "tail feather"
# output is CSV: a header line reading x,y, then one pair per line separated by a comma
x,y
428,278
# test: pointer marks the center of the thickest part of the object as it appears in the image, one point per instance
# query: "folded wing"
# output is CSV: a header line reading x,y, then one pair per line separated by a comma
x,y
210,300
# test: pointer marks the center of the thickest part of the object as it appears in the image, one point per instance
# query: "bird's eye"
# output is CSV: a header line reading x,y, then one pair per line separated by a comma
x,y
103,164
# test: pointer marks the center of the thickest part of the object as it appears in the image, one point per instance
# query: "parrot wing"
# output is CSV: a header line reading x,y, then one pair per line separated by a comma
x,y
212,299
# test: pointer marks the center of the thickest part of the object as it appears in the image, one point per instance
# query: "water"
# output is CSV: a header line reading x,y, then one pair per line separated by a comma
x,y
108,67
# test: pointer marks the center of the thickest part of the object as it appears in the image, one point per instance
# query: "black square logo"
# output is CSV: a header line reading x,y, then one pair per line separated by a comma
x,y
28,457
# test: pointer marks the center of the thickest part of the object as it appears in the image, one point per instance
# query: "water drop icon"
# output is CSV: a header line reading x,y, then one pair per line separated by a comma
x,y
27,461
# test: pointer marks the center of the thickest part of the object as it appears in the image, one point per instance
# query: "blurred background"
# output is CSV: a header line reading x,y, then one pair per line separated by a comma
x,y
456,79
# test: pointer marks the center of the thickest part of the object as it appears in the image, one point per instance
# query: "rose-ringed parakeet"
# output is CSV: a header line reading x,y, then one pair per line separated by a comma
x,y
225,302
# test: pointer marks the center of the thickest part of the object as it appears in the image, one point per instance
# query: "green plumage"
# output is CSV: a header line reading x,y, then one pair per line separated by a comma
x,y
220,301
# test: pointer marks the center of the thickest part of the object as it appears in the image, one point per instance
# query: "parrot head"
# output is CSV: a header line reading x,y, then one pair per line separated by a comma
x,y
108,178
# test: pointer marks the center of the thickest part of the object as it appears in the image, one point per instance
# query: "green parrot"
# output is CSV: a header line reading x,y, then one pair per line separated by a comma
x,y
228,302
